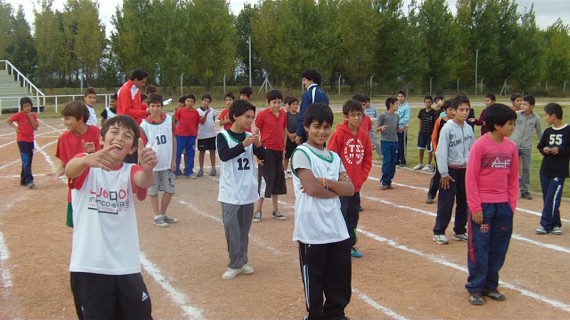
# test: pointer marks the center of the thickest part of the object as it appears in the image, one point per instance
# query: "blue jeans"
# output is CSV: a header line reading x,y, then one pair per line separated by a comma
x,y
551,194
487,247
27,155
389,161
185,143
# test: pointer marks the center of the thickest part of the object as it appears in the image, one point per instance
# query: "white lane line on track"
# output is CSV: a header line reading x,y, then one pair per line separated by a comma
x,y
4,256
37,135
10,164
377,306
36,147
433,214
555,303
178,297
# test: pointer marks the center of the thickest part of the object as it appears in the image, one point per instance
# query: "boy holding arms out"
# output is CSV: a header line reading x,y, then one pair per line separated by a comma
x,y
186,120
106,278
426,118
292,105
271,125
555,147
388,126
352,144
492,192
27,123
238,184
111,110
455,141
207,135
159,129
319,178
224,115
90,99
527,123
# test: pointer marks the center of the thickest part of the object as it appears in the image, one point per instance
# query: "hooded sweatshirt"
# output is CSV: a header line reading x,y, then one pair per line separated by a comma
x,y
355,151
453,146
526,126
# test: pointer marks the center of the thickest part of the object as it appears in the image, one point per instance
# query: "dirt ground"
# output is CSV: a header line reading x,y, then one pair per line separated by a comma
x,y
403,275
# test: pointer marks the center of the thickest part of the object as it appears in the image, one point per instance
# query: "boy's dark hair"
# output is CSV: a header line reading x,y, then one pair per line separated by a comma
x,y
311,75
229,95
491,96
154,98
351,105
459,99
206,96
125,121
238,108
247,91
319,112
514,96
151,88
390,101
274,95
182,99
367,98
25,100
446,104
530,100
90,90
144,97
114,96
138,74
290,100
430,98
76,109
402,93
498,114
359,97
439,97
553,109
191,96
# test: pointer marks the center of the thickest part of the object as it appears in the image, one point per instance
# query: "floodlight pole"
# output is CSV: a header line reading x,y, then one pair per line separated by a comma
x,y
476,67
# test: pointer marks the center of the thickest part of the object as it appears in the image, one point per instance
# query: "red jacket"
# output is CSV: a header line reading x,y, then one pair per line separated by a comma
x,y
355,152
129,102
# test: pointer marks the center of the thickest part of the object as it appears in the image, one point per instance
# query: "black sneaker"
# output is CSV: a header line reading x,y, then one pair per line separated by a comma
x,y
278,215
476,299
429,200
495,295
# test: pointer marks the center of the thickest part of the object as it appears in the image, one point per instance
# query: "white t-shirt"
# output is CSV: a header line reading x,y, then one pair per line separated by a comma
x,y
160,139
317,220
92,121
105,235
208,129
238,176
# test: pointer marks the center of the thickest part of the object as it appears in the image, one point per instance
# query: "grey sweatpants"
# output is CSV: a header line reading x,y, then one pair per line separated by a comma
x,y
525,169
237,222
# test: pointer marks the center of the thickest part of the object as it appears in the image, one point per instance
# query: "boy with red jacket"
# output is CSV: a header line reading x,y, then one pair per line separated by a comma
x,y
352,144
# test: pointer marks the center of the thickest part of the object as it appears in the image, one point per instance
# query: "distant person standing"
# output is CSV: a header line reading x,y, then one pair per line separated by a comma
x,y
314,94
404,119
129,96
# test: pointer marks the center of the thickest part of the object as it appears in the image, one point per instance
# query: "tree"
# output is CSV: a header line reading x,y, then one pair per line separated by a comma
x,y
50,45
5,31
557,54
21,50
244,32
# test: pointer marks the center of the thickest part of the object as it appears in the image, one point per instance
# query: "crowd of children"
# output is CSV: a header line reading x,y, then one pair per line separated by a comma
x,y
258,151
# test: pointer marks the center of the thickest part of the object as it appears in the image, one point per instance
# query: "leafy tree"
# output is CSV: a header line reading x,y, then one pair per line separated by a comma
x,y
21,51
5,31
50,44
557,54
244,32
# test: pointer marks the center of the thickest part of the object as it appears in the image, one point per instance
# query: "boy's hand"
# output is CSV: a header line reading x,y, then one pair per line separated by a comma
x,y
477,217
554,150
89,147
381,128
103,158
53,178
546,150
297,139
147,157
445,182
343,177
255,140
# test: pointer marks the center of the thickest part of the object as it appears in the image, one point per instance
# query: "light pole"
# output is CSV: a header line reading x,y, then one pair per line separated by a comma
x,y
476,67
249,44
181,84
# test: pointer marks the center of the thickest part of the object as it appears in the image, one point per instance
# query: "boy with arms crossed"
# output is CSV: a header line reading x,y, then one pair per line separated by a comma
x,y
238,184
159,129
455,141
207,135
27,123
353,145
105,267
319,178
271,125
555,147
388,127
186,120
292,105
492,185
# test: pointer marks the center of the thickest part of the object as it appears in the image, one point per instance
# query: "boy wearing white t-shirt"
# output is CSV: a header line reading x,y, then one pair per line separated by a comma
x,y
106,278
159,130
238,184
319,178
206,135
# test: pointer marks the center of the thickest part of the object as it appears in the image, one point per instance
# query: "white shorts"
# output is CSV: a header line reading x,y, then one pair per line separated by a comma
x,y
163,181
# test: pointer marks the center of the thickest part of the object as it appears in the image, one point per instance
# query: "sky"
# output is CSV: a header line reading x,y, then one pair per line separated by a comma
x,y
546,11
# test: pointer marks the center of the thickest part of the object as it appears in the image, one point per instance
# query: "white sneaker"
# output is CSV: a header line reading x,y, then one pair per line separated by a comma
x,y
428,168
231,273
418,166
440,238
247,269
460,237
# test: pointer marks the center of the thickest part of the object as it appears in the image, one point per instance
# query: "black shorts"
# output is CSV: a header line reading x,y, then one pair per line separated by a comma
x,y
271,176
289,147
101,296
207,144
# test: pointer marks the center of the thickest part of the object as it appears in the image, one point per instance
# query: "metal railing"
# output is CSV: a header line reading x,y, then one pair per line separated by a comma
x,y
35,93
51,103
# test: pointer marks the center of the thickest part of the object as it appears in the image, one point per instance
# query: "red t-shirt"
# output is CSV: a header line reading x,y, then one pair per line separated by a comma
x,y
226,115
187,122
69,145
26,133
271,129
366,123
